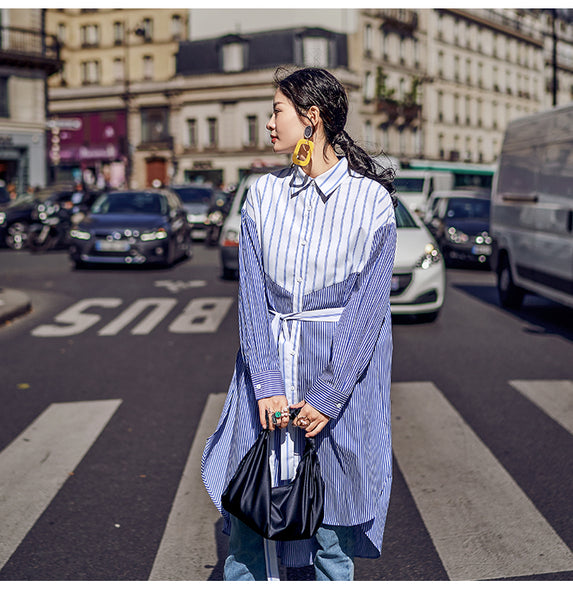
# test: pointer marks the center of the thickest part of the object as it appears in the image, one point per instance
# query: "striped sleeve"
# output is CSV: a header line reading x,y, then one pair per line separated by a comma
x,y
357,331
258,346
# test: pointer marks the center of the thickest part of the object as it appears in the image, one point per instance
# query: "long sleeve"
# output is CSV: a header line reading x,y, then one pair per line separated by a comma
x,y
257,343
358,329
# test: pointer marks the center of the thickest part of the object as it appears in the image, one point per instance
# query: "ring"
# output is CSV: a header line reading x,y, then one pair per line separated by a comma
x,y
277,414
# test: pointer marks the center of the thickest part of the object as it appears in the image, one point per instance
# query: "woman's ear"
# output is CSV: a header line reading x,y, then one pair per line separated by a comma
x,y
314,115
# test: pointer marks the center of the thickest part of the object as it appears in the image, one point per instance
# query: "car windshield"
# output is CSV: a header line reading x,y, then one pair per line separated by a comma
x,y
130,203
468,208
404,218
409,184
194,195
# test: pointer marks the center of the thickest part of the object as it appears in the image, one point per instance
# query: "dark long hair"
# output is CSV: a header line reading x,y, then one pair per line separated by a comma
x,y
317,87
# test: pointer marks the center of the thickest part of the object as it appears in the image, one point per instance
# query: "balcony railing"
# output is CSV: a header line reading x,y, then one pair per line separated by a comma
x,y
29,48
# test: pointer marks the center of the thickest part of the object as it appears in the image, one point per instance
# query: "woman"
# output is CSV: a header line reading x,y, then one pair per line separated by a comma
x,y
316,255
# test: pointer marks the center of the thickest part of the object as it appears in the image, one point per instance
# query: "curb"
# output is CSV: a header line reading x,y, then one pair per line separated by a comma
x,y
13,304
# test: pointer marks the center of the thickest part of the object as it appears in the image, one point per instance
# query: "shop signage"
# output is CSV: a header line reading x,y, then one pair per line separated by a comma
x,y
73,123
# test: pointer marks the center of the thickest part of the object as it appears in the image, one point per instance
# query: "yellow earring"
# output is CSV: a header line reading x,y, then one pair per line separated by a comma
x,y
303,151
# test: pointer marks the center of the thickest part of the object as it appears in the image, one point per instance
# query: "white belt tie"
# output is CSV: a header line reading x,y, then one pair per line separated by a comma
x,y
280,321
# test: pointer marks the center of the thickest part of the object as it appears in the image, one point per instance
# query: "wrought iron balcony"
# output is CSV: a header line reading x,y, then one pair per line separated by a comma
x,y
400,20
29,48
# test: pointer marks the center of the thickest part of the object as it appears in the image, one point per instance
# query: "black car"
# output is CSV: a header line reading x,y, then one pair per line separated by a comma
x,y
459,220
15,219
132,227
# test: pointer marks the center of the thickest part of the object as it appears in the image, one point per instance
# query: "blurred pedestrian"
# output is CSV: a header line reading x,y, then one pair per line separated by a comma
x,y
316,255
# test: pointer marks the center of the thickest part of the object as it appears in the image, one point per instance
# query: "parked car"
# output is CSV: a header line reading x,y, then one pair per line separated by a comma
x,y
532,209
15,219
459,221
196,199
132,227
418,279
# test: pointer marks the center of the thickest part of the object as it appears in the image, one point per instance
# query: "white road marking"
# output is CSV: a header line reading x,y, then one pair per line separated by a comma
x,y
480,521
188,543
161,307
202,315
74,320
554,397
37,463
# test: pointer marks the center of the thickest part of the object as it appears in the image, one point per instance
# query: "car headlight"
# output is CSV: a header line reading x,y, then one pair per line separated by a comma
x,y
151,236
2,218
80,234
457,236
483,238
431,256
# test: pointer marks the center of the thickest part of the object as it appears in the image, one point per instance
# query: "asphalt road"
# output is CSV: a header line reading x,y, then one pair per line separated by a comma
x,y
112,382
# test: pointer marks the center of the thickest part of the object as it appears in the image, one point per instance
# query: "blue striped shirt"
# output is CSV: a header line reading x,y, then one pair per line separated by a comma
x,y
311,244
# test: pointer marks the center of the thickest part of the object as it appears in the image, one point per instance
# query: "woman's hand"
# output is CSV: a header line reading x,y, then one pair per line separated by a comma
x,y
310,419
273,405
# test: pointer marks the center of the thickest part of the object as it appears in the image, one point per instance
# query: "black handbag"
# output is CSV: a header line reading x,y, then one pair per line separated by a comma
x,y
289,512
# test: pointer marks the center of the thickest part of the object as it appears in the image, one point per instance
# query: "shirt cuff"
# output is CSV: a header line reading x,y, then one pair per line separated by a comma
x,y
326,399
267,384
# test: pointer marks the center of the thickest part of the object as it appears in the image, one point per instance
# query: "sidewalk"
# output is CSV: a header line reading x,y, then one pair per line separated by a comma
x,y
13,304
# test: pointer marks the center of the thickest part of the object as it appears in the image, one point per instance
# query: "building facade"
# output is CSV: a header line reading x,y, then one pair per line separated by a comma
x,y
439,84
27,57
110,94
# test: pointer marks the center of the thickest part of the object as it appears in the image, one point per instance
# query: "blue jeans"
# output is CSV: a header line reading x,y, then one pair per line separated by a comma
x,y
334,560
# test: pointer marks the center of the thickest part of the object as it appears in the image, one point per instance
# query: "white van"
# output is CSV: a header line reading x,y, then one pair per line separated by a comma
x,y
532,209
414,187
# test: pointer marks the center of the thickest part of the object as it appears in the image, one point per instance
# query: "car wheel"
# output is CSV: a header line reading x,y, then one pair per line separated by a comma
x,y
17,235
510,295
230,273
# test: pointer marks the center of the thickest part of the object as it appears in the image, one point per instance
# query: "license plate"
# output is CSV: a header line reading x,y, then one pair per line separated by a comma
x,y
112,246
481,249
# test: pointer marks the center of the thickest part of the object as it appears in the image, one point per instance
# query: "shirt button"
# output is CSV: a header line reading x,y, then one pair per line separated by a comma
x,y
303,243
292,388
258,386
299,279
338,405
292,352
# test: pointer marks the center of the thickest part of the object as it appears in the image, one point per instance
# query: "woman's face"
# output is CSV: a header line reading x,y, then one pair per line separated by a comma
x,y
285,125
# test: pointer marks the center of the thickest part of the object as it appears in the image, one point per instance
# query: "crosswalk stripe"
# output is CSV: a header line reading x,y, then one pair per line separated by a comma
x,y
189,544
554,397
37,463
480,521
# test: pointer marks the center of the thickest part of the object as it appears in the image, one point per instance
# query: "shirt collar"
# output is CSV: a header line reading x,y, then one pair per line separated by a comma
x,y
326,183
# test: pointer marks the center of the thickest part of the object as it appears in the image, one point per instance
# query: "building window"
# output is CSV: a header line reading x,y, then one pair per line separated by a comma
x,y
147,27
252,130
147,68
62,33
233,57
192,133
315,52
89,36
368,39
176,27
118,70
154,124
90,71
368,87
212,132
118,33
4,100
